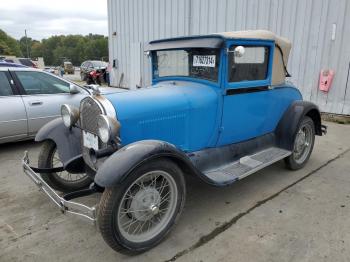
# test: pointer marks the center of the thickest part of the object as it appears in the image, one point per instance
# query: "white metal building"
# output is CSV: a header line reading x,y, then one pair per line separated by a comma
x,y
319,31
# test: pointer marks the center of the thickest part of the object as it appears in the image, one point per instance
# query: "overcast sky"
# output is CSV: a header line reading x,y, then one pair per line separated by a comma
x,y
44,18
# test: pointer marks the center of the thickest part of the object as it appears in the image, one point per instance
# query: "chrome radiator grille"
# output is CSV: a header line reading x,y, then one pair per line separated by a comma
x,y
89,112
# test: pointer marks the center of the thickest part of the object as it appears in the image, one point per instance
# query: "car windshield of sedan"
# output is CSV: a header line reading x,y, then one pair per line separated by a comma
x,y
200,63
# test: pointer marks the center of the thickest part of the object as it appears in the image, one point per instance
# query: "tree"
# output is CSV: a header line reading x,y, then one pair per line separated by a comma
x,y
36,49
9,45
23,42
55,49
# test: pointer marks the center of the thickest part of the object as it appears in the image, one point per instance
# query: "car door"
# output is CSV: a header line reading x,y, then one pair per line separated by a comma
x,y
43,95
13,117
246,95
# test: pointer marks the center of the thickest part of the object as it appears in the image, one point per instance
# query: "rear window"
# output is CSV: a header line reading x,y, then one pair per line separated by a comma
x,y
25,61
99,64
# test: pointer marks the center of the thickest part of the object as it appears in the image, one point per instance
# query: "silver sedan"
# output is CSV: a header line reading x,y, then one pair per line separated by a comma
x,y
29,98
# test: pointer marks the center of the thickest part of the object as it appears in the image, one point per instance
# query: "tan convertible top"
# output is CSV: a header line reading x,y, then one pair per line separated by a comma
x,y
283,44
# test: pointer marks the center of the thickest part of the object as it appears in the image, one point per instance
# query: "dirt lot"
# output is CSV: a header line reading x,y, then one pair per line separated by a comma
x,y
273,215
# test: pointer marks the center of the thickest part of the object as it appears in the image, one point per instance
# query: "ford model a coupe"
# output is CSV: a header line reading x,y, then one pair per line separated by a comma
x,y
218,109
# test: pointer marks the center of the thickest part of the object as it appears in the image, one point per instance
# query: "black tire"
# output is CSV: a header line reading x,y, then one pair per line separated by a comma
x,y
89,81
113,198
292,162
46,156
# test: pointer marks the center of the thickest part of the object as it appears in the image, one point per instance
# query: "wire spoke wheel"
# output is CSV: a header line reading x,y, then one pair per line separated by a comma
x,y
65,175
302,143
137,213
147,206
63,181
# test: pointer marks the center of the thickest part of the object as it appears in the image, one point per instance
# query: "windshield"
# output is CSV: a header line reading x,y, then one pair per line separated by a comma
x,y
200,63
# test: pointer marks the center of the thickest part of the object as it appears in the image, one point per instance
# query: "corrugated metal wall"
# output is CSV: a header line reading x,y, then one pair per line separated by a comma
x,y
319,31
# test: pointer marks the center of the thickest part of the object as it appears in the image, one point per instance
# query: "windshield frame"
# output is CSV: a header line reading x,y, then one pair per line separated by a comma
x,y
156,79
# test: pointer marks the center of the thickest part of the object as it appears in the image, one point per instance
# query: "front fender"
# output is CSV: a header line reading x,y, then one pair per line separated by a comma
x,y
68,140
290,121
115,169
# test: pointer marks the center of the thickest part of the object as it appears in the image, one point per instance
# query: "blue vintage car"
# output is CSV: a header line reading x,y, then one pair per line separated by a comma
x,y
219,109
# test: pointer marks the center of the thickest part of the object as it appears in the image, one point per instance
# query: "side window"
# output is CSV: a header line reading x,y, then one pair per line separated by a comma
x,y
253,65
5,87
40,83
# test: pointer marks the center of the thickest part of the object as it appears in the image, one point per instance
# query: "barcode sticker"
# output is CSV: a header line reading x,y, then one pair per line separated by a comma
x,y
204,60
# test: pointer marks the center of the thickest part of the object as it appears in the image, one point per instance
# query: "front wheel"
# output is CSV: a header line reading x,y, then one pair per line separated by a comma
x,y
62,181
303,145
136,215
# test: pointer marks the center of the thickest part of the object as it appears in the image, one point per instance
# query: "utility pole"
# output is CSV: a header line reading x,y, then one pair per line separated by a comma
x,y
25,33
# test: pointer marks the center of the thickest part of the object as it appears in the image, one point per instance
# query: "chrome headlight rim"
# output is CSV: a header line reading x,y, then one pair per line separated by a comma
x,y
69,114
108,128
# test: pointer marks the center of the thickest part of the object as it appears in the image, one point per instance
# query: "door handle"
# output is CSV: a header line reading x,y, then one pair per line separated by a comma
x,y
36,103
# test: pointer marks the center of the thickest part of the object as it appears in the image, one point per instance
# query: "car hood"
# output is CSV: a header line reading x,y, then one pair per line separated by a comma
x,y
167,111
104,90
111,90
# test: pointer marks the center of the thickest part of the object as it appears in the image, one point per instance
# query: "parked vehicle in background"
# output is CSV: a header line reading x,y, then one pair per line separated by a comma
x,y
39,62
68,67
7,64
23,61
49,70
30,98
93,65
94,78
219,109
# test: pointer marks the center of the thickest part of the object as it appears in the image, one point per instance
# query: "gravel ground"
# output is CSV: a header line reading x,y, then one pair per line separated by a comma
x,y
273,215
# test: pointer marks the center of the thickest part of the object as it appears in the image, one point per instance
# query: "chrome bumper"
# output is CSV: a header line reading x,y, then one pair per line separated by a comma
x,y
64,205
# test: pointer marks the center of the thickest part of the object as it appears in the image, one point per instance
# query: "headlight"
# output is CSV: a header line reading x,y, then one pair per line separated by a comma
x,y
108,128
70,115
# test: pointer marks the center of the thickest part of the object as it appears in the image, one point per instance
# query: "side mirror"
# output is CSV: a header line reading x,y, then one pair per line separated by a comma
x,y
239,51
73,89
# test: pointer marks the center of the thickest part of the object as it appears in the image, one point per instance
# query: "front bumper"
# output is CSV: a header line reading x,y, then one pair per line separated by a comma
x,y
65,206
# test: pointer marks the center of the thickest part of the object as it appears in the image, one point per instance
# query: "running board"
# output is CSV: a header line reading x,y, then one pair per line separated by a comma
x,y
246,165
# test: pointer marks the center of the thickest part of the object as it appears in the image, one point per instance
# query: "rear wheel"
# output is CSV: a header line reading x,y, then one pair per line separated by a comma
x,y
138,213
62,181
303,145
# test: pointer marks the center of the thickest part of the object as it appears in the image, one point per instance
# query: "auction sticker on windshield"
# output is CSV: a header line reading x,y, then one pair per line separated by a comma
x,y
204,60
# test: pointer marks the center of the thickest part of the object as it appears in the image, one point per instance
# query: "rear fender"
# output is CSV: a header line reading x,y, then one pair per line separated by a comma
x,y
291,119
67,140
121,163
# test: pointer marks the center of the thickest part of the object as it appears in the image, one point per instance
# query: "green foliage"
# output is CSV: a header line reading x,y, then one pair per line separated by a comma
x,y
55,49
75,48
9,45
